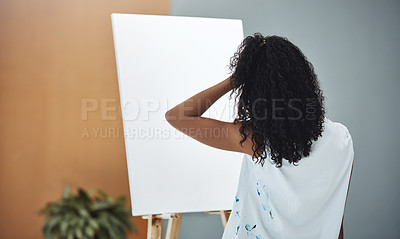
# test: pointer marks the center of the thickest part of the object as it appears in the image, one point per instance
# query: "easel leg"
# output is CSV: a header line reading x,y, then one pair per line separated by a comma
x,y
154,227
174,224
225,217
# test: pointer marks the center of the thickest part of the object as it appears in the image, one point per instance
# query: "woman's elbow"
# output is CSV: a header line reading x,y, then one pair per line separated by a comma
x,y
170,116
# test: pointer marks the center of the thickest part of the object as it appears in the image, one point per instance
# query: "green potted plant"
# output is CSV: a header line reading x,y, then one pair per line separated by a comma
x,y
86,216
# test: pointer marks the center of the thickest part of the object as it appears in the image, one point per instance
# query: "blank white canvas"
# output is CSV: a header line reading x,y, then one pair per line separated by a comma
x,y
162,61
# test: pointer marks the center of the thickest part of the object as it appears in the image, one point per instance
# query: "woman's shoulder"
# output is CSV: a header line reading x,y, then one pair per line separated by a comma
x,y
339,134
338,127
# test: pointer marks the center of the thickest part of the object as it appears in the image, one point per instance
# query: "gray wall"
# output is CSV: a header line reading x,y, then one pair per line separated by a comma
x,y
354,46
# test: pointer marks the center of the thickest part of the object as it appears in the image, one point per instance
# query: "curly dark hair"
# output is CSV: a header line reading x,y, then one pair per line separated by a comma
x,y
280,100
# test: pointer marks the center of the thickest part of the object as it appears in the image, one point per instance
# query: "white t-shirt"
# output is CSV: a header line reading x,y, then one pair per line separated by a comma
x,y
305,201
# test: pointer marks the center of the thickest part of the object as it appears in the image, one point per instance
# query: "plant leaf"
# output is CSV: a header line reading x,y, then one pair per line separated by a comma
x,y
103,194
99,205
93,224
83,195
89,231
78,233
63,227
66,192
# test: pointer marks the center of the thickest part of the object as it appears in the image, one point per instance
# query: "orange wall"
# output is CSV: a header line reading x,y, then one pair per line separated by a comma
x,y
54,54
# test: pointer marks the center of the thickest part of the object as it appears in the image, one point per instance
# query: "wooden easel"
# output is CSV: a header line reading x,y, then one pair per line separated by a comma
x,y
155,224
